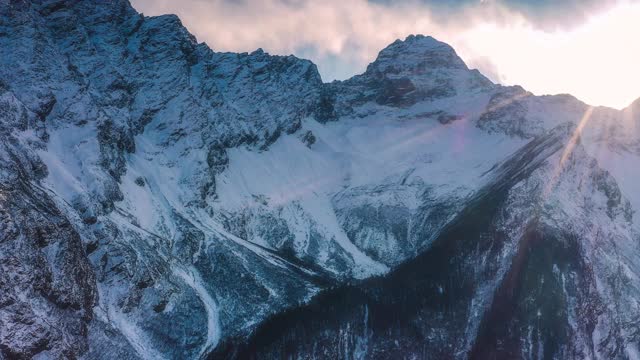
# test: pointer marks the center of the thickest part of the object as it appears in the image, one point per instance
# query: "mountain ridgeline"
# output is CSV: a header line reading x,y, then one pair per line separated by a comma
x,y
160,200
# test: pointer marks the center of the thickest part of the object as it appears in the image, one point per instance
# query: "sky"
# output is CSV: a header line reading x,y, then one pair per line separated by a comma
x,y
587,48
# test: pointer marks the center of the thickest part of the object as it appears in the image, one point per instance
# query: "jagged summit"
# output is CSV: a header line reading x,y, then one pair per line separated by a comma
x,y
417,54
417,69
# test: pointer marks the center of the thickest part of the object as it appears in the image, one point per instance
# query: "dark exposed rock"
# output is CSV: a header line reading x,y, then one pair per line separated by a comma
x,y
308,138
325,110
45,108
444,118
48,291
114,141
394,92
139,181
507,110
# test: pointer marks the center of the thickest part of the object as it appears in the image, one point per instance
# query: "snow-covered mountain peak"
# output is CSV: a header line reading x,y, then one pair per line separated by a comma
x,y
417,54
164,197
420,68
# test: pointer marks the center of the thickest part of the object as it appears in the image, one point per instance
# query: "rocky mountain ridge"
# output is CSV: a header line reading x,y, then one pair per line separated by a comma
x,y
162,200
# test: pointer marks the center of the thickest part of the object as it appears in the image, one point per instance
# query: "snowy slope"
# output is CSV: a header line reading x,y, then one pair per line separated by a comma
x,y
194,194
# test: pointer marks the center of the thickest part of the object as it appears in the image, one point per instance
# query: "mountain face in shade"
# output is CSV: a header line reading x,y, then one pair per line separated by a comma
x,y
162,200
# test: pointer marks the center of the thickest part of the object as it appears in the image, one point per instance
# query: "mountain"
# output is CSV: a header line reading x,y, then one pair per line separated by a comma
x,y
162,200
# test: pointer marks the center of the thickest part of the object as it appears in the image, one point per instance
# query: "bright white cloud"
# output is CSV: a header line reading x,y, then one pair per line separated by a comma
x,y
596,61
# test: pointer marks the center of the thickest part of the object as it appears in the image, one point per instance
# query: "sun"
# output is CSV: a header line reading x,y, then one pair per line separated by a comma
x,y
596,62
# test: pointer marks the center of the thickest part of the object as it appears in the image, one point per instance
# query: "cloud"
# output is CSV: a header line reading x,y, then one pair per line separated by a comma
x,y
552,15
546,46
343,36
487,68
547,15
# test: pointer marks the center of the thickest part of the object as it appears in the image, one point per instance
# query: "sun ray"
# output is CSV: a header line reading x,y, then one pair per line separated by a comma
x,y
568,150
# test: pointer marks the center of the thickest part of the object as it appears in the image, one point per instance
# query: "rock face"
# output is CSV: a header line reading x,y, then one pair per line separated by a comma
x,y
162,200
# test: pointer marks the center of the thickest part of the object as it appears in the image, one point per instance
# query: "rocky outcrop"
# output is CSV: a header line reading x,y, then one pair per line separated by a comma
x,y
420,68
47,285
